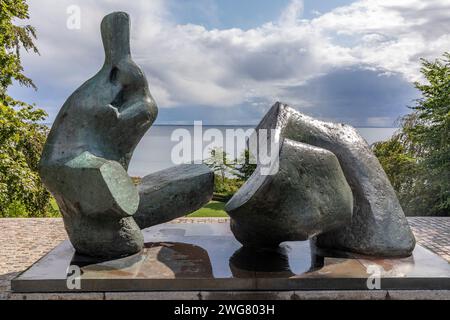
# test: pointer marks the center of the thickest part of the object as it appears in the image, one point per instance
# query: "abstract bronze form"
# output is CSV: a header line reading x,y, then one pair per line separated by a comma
x,y
172,193
377,226
85,160
306,196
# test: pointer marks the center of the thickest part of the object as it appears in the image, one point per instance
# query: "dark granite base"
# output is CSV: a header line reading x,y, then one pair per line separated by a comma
x,y
192,257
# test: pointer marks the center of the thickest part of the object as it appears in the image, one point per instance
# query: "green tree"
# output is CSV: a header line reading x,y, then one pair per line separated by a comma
x,y
225,183
12,39
21,135
432,131
244,166
417,158
218,162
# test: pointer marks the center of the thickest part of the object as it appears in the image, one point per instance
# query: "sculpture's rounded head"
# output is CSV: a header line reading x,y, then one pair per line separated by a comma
x,y
115,30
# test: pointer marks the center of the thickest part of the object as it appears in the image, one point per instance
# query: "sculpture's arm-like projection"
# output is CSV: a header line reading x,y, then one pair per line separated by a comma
x,y
134,113
172,193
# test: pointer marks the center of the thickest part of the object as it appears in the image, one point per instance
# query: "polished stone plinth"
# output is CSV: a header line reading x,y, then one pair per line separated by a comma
x,y
193,257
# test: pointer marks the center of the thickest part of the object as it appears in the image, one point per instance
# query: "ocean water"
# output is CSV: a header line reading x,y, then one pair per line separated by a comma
x,y
154,152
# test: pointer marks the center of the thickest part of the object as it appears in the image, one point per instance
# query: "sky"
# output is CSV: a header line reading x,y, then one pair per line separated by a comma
x,y
227,61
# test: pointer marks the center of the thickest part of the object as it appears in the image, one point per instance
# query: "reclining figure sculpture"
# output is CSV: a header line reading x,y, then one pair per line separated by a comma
x,y
85,160
328,186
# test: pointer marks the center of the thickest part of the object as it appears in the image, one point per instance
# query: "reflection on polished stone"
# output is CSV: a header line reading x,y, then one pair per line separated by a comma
x,y
246,261
208,257
275,262
160,260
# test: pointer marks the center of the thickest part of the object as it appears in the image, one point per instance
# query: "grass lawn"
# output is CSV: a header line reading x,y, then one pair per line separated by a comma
x,y
214,209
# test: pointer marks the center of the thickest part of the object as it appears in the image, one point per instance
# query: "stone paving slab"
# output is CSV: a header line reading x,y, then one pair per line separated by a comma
x,y
24,241
433,233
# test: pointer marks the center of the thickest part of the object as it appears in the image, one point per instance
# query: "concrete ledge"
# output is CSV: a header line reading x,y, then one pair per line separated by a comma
x,y
182,295
419,294
241,295
57,296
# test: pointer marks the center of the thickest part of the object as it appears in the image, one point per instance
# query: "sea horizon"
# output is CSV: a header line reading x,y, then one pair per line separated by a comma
x,y
49,124
154,151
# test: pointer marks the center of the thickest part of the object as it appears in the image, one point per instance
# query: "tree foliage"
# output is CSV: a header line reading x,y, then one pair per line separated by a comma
x,y
417,158
230,175
12,39
245,166
218,162
21,135
21,141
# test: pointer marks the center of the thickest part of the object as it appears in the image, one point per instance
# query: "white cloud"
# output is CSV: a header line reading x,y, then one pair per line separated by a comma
x,y
191,65
392,35
292,13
